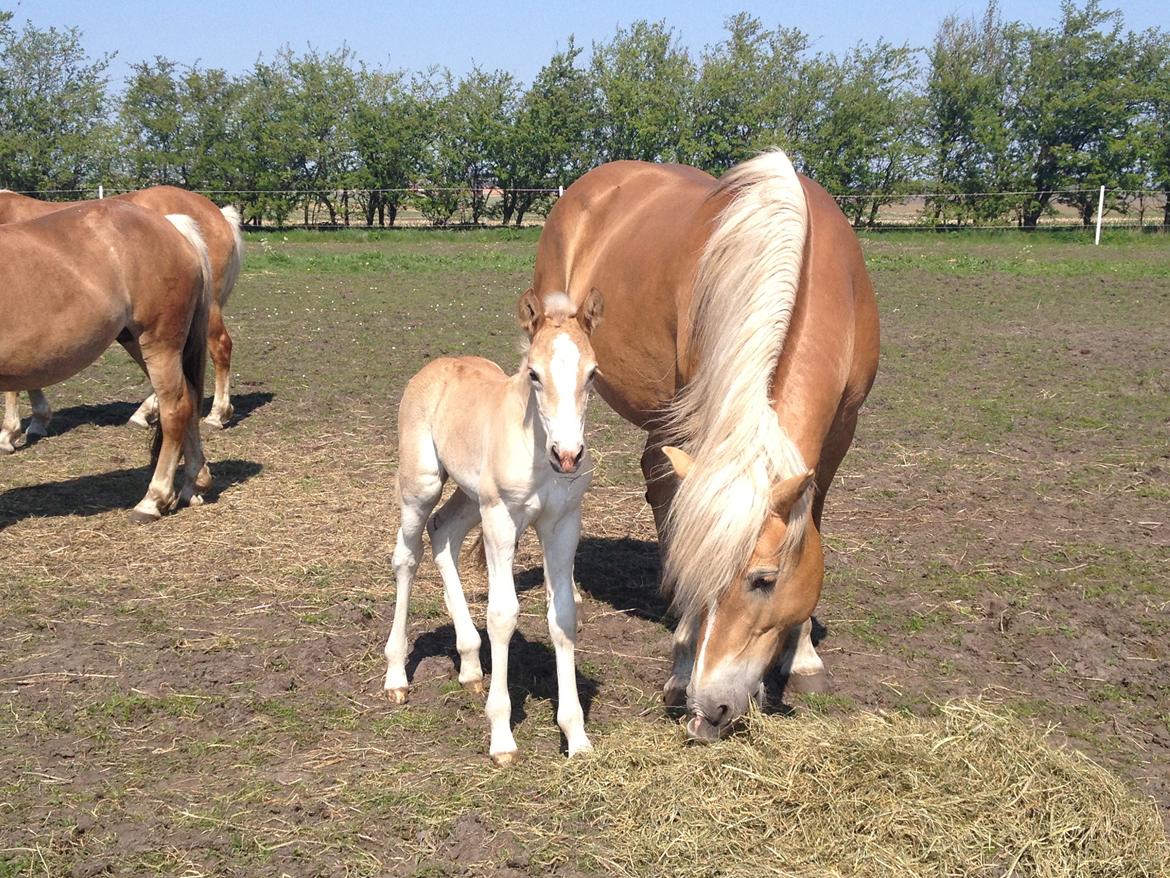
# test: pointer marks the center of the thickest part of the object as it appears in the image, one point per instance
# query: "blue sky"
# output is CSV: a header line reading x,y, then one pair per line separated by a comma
x,y
517,37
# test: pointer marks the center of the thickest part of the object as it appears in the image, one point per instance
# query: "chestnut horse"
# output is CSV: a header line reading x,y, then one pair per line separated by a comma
x,y
78,279
742,335
220,229
515,446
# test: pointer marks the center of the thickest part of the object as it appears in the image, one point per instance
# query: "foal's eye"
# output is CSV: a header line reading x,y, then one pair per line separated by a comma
x,y
533,376
762,582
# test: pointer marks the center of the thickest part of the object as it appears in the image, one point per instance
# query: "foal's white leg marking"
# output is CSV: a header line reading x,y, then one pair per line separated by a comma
x,y
419,493
42,414
11,436
147,412
806,662
499,540
559,542
448,527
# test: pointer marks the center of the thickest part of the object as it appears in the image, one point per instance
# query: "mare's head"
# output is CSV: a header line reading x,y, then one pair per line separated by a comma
x,y
560,366
740,629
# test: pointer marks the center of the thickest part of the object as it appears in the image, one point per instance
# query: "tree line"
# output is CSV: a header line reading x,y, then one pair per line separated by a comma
x,y
1041,115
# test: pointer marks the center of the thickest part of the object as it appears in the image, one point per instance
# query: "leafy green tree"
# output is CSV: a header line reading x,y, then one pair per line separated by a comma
x,y
644,82
151,122
1152,128
53,104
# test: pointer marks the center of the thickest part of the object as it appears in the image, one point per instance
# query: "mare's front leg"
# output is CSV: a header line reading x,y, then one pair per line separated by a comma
x,y
11,436
559,540
800,662
500,530
448,528
420,484
674,693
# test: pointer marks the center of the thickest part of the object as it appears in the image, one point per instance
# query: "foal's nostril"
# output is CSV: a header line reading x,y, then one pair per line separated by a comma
x,y
580,454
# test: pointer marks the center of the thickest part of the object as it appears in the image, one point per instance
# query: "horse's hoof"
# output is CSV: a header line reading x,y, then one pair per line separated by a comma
x,y
7,448
474,687
137,516
582,747
138,420
214,421
808,684
503,760
674,697
396,696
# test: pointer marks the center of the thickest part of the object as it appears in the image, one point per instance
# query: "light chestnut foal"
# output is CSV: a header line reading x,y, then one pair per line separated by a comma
x,y
515,446
220,230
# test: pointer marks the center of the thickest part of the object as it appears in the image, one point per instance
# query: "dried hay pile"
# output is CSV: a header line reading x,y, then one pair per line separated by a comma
x,y
968,792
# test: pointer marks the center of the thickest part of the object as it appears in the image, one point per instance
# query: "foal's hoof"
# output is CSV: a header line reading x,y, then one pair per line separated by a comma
x,y
503,760
396,696
137,516
139,420
474,687
7,448
808,684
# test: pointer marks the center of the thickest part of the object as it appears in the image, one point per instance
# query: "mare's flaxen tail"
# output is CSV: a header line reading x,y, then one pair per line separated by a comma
x,y
195,348
232,271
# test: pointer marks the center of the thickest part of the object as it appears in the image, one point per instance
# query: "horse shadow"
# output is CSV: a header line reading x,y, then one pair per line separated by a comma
x,y
532,670
104,492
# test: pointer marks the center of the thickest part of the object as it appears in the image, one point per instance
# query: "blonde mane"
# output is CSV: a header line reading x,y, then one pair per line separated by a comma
x,y
744,296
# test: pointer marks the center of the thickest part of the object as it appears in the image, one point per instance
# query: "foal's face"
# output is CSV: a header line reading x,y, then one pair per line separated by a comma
x,y
561,368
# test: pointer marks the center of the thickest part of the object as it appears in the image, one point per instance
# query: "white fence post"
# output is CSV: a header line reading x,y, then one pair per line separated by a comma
x,y
101,191
1100,210
561,191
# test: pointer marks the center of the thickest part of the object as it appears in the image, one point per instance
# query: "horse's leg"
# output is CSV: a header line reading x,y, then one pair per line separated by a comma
x,y
661,483
38,425
448,528
11,436
176,409
219,345
420,483
147,413
674,693
559,541
197,481
499,541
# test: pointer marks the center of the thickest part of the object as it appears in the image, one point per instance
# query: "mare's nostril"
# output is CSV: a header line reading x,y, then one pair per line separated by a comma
x,y
720,715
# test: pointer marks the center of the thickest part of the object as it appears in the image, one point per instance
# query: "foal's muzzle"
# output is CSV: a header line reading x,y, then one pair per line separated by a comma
x,y
566,461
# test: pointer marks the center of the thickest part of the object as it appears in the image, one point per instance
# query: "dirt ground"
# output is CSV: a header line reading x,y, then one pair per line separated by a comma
x,y
202,695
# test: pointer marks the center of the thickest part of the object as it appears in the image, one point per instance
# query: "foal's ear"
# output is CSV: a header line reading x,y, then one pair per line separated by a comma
x,y
529,311
786,493
680,461
591,310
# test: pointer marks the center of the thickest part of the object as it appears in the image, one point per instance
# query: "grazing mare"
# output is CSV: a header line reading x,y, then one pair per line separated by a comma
x,y
220,229
742,335
77,280
515,447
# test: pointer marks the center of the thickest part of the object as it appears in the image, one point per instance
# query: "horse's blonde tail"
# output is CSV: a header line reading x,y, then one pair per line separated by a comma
x,y
195,347
232,272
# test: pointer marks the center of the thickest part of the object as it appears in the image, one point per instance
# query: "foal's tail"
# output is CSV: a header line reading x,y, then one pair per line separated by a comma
x,y
232,271
195,348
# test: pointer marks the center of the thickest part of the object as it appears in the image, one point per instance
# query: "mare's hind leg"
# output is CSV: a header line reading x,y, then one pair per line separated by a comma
x,y
176,410
420,482
11,436
448,528
219,345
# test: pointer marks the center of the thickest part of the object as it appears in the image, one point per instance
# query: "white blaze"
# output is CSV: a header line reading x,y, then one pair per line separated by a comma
x,y
564,420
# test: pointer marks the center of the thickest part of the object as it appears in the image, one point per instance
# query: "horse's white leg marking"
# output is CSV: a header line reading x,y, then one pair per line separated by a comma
x,y
559,541
11,436
160,495
220,350
42,414
448,527
419,493
805,661
147,413
499,540
675,690
197,477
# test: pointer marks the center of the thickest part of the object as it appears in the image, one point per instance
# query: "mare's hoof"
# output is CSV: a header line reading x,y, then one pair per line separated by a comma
x,y
138,517
503,760
7,448
808,684
138,420
396,696
214,421
474,687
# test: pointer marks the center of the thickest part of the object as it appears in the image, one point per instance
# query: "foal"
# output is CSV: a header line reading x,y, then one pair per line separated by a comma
x,y
515,446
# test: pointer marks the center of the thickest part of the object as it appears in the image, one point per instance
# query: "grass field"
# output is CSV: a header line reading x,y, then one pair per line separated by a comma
x,y
201,696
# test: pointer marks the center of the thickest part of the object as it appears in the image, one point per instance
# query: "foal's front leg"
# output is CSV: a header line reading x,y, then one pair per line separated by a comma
x,y
499,540
559,541
11,436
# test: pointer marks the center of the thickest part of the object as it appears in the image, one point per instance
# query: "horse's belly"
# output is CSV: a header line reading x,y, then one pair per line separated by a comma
x,y
51,356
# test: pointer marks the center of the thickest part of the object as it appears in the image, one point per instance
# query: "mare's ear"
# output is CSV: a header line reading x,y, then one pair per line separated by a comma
x,y
786,493
680,461
529,312
591,311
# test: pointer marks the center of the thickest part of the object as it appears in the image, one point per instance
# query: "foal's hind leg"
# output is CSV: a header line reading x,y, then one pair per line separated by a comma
x,y
11,436
219,346
147,413
448,528
420,482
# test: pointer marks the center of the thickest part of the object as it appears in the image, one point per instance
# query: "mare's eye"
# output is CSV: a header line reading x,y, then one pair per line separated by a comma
x,y
762,582
533,376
